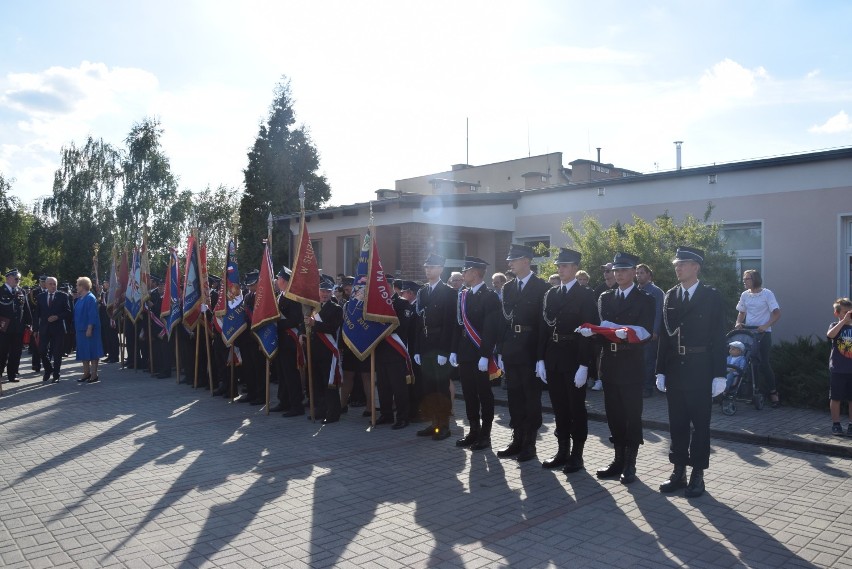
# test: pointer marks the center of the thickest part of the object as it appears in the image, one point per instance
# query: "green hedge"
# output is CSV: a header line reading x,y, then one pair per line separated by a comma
x,y
801,371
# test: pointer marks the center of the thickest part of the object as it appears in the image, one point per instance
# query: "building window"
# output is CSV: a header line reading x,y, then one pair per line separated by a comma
x,y
453,251
351,249
316,244
846,258
746,241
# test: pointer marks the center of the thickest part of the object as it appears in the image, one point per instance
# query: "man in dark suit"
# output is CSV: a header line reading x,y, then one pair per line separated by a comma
x,y
645,281
13,320
54,308
622,365
691,369
394,372
436,313
324,326
521,354
567,357
474,340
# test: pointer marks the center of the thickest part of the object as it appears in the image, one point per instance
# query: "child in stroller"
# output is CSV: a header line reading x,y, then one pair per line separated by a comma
x,y
742,359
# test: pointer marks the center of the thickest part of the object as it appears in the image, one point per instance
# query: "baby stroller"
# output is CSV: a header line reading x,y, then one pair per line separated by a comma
x,y
744,387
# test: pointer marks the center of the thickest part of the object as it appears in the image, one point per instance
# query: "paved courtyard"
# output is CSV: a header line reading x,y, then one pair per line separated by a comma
x,y
141,472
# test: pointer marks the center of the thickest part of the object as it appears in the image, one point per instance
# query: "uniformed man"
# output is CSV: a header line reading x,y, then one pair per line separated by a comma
x,y
408,291
109,334
324,326
436,313
394,370
474,342
691,369
521,354
250,372
32,301
622,364
567,357
162,347
12,324
290,353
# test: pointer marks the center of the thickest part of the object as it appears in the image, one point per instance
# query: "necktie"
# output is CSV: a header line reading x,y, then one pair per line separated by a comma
x,y
562,290
686,297
620,296
50,299
520,285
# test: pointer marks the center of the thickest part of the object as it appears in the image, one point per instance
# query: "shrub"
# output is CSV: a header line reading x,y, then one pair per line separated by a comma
x,y
801,371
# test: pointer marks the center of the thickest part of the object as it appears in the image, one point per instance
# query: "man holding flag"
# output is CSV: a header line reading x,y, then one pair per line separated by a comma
x,y
324,327
474,341
291,357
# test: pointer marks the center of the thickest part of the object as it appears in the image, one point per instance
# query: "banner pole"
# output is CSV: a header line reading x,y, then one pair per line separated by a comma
x,y
370,397
177,357
232,355
150,346
135,347
209,345
267,387
195,367
306,310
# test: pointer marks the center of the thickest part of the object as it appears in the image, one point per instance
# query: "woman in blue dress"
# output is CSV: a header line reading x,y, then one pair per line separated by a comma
x,y
87,324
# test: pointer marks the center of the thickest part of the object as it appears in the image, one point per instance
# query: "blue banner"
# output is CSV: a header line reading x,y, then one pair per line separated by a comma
x,y
234,314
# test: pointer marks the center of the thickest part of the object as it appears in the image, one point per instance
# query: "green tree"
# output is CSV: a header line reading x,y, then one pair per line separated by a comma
x,y
282,157
150,197
214,213
655,243
17,224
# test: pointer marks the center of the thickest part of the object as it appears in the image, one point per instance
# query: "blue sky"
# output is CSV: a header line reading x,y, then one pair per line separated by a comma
x,y
386,87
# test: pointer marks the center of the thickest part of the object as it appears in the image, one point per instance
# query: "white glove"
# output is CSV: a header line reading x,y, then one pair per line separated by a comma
x,y
483,364
719,385
454,360
442,360
500,363
661,382
417,359
203,308
584,332
581,376
540,371
621,334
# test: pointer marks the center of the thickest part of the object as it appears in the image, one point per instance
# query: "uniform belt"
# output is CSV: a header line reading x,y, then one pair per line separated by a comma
x,y
556,338
683,350
517,328
613,347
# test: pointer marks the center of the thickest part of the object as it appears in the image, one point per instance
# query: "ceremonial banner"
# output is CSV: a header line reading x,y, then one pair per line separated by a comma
x,y
304,282
361,334
132,296
233,313
191,286
607,329
121,286
113,282
378,294
144,274
170,307
204,275
265,316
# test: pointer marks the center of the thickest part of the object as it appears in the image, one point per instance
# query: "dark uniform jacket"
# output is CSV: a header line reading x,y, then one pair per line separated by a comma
x,y
406,329
692,340
483,312
522,321
291,317
564,313
619,359
436,315
12,306
331,315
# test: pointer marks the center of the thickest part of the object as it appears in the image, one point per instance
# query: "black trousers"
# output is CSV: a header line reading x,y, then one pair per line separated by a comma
x,y
326,397
478,397
569,406
524,390
393,389
51,347
289,379
623,405
11,346
435,403
689,422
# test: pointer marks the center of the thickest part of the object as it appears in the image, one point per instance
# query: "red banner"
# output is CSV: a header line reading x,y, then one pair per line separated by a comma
x,y
304,282
264,320
121,289
378,294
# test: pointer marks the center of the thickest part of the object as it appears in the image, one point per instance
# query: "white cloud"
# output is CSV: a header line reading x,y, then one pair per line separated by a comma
x,y
836,124
730,80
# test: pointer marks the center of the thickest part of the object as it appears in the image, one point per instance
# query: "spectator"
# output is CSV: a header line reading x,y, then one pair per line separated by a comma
x,y
840,364
736,363
609,282
497,282
758,310
456,280
554,280
583,278
88,326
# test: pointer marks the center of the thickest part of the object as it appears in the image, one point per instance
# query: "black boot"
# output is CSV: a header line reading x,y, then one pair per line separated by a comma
x,y
515,446
470,438
575,461
696,484
484,440
561,456
676,481
528,451
616,467
628,475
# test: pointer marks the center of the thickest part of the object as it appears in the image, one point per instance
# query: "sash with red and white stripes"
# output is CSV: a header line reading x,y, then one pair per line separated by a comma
x,y
493,370
397,344
334,375
300,354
